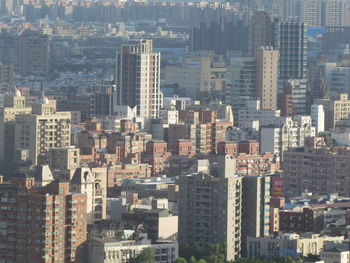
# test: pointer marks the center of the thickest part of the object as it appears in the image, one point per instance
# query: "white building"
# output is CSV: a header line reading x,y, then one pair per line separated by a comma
x,y
117,250
317,117
287,133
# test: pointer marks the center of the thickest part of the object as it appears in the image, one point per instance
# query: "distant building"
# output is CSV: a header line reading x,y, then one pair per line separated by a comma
x,y
33,53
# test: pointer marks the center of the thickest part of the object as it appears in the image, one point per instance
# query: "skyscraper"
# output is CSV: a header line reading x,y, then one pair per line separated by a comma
x,y
266,77
138,78
33,53
210,208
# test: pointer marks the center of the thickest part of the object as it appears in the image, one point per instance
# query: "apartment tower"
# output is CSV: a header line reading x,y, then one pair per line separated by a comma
x,y
138,78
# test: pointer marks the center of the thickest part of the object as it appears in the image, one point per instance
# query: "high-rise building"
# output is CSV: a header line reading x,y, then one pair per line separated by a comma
x,y
255,207
33,53
9,49
333,12
41,223
210,208
43,129
266,77
138,78
14,104
261,31
290,39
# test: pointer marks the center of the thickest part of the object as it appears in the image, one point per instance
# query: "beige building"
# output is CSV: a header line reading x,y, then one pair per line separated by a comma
x,y
138,78
288,244
14,104
266,77
335,109
93,183
43,129
210,208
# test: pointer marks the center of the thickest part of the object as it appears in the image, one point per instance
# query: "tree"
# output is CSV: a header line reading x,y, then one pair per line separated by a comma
x,y
181,260
147,255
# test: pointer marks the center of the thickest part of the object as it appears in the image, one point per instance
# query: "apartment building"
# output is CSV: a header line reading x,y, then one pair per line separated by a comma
x,y
287,133
41,224
138,78
316,169
93,183
210,208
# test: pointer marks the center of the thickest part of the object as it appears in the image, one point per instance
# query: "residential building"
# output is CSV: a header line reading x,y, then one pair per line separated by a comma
x,y
210,208
48,224
14,104
119,250
288,244
266,77
255,207
43,129
288,133
93,183
64,161
138,78
316,169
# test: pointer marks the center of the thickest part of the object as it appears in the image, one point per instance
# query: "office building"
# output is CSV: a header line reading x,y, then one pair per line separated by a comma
x,y
49,224
266,77
290,39
210,208
43,129
14,104
138,78
316,169
33,53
